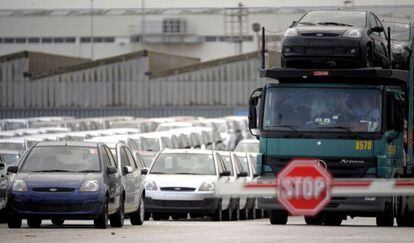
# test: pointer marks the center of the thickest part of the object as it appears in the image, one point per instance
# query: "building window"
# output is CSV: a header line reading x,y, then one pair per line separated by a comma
x,y
8,40
97,39
135,39
109,39
34,40
46,40
58,40
70,40
211,38
175,25
1,40
85,39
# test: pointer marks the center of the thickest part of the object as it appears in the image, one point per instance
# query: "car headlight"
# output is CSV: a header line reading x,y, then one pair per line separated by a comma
x,y
352,33
89,186
19,186
207,186
397,49
151,185
291,32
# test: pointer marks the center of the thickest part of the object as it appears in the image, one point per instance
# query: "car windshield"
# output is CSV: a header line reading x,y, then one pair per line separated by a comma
x,y
322,109
147,159
249,147
62,159
10,159
399,31
150,144
337,18
190,163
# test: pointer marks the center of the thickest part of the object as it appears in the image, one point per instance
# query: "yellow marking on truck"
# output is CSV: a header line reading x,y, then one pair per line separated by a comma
x,y
363,145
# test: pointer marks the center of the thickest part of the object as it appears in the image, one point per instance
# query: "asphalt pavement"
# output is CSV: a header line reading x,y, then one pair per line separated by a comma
x,y
355,230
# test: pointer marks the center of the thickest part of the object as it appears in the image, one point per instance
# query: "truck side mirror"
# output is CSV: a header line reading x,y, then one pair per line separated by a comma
x,y
253,112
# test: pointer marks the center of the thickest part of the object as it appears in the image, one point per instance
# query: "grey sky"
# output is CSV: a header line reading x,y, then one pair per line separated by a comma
x,y
30,4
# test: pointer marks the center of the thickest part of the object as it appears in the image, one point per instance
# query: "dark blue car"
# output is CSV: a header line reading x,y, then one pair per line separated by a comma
x,y
66,180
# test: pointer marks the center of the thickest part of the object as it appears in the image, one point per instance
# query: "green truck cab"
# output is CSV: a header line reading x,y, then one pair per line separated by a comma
x,y
355,121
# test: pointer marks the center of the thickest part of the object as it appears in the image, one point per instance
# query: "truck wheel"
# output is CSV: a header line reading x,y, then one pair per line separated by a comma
x,y
331,220
102,221
137,218
278,217
14,222
34,222
117,220
315,220
217,215
58,222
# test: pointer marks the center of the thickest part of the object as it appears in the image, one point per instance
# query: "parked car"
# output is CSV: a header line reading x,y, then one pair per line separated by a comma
x,y
238,209
66,180
335,38
183,181
248,146
401,41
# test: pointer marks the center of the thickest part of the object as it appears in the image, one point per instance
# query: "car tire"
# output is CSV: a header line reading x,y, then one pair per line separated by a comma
x,y
369,58
236,212
147,216
138,217
217,215
58,222
385,220
34,222
259,213
160,216
228,213
251,214
117,219
314,220
14,222
102,221
178,216
279,217
332,220
244,213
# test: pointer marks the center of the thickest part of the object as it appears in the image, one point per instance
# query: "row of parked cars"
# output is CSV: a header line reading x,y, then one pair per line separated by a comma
x,y
112,177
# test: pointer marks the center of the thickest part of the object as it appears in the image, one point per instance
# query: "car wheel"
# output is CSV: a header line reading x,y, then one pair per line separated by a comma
x,y
385,219
14,222
102,221
244,213
160,216
58,221
332,220
252,212
278,217
228,213
138,217
147,216
259,213
196,215
178,216
236,212
117,220
315,220
34,222
217,215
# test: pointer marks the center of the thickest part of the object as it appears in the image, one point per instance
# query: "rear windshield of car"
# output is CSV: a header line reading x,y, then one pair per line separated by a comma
x,y
247,147
334,18
190,164
62,159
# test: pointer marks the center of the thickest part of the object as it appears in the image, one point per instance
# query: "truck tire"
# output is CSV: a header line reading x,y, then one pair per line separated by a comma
x,y
315,220
278,217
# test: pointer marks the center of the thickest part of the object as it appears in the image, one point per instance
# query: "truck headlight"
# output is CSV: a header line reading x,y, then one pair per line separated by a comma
x,y
89,186
207,186
352,33
291,32
397,49
151,186
19,186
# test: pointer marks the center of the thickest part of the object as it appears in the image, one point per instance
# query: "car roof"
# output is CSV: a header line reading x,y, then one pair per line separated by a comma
x,y
67,143
187,151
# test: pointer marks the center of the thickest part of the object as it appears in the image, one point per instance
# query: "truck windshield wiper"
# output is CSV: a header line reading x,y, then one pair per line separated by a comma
x,y
345,129
53,171
293,128
335,23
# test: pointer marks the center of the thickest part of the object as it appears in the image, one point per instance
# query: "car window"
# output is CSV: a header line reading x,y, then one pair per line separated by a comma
x,y
62,159
244,163
106,160
131,158
226,161
237,164
382,34
140,161
124,160
112,161
372,22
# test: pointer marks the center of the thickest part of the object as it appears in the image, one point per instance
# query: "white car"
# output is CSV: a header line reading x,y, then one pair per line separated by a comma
x,y
183,181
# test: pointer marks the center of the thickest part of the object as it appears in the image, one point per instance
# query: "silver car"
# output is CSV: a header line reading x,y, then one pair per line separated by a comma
x,y
183,181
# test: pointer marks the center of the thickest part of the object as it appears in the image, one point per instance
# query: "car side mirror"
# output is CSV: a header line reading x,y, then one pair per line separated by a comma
x,y
13,169
242,174
2,165
111,170
225,173
128,169
144,171
377,29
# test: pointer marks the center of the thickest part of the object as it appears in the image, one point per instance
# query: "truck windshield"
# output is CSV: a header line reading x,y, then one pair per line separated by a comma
x,y
322,109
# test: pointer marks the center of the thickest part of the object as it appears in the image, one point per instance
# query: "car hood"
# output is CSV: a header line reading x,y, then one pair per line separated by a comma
x,y
180,180
47,179
340,30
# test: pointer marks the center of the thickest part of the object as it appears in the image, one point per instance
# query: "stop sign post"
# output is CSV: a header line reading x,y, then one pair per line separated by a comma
x,y
304,187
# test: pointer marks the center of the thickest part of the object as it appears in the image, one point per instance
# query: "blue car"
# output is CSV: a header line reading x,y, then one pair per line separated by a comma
x,y
66,180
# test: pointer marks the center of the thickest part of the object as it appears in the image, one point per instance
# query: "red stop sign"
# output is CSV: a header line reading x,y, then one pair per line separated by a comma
x,y
304,186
